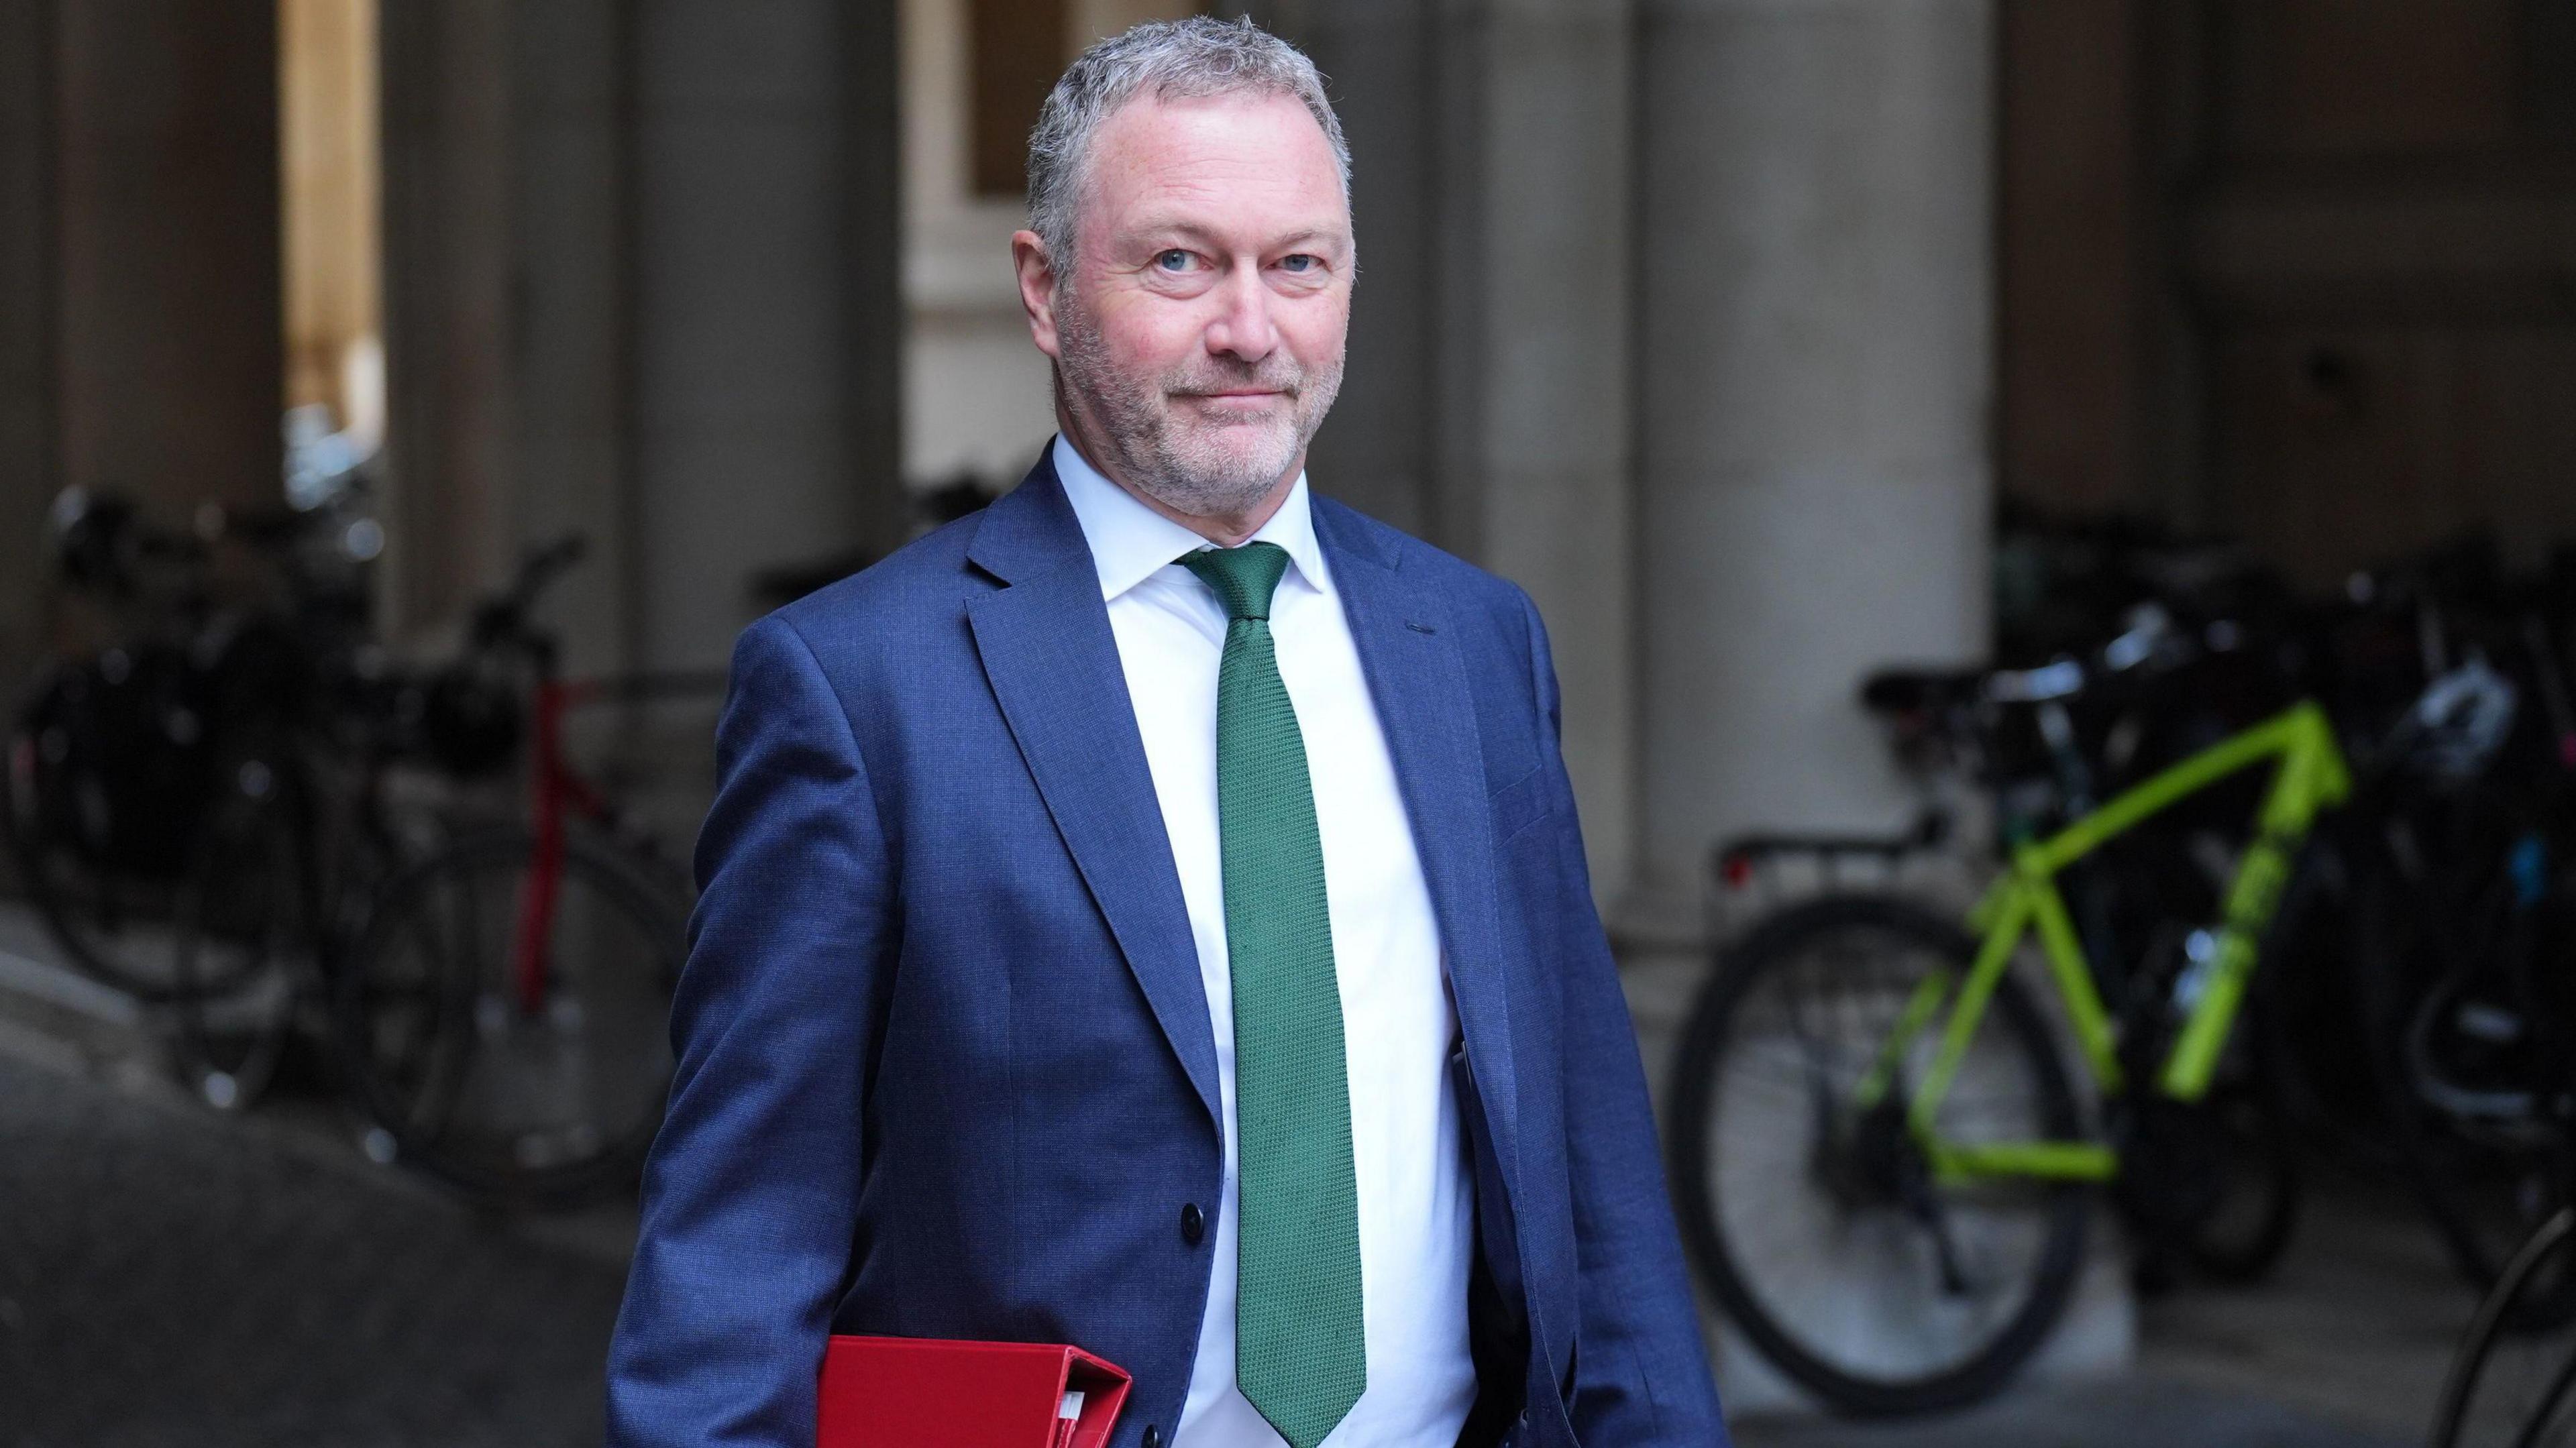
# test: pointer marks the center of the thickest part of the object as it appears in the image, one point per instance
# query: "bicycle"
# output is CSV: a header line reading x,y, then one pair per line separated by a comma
x,y
108,751
118,757
2509,1385
2481,845
301,834
1937,1136
502,1012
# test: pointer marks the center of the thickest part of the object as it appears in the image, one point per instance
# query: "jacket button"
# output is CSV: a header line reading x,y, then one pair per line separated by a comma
x,y
1193,1223
1153,1437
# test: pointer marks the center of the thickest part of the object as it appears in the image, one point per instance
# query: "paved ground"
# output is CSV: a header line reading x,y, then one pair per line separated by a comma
x,y
2344,1348
2356,1327
172,1277
168,1276
2140,1410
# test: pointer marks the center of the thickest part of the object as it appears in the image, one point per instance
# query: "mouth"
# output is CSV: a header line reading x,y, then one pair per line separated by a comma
x,y
1235,401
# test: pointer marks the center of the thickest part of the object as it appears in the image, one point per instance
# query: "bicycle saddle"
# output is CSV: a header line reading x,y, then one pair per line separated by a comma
x,y
1914,691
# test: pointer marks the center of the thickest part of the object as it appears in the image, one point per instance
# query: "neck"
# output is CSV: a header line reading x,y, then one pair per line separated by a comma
x,y
1227,530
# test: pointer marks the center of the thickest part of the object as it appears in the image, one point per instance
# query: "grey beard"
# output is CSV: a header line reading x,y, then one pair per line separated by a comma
x,y
1157,457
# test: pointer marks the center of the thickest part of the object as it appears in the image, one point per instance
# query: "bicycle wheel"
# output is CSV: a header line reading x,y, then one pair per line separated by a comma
x,y
242,943
2255,1208
1818,1224
2477,1100
522,1089
112,925
2510,1388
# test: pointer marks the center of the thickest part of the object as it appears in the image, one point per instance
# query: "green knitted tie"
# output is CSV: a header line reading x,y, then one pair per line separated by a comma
x,y
1300,1350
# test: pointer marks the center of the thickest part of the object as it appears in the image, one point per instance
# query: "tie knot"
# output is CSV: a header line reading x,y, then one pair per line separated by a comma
x,y
1244,578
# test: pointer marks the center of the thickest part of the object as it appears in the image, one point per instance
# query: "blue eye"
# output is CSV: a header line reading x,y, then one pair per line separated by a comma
x,y
1301,262
1173,260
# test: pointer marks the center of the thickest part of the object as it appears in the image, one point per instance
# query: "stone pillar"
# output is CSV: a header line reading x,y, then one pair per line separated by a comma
x,y
1816,247
766,431
507,297
1379,452
449,303
168,336
1815,377
2077,424
1551,459
27,311
571,239
1486,407
868,195
642,284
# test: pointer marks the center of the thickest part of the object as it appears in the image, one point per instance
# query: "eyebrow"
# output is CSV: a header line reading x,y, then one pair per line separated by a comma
x,y
1194,232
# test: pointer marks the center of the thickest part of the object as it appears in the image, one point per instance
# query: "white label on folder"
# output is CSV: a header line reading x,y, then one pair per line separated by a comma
x,y
1071,1407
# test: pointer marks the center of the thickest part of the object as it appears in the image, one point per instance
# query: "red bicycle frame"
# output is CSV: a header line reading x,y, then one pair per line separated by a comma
x,y
556,789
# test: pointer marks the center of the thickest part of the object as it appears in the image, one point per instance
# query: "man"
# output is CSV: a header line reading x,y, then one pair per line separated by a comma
x,y
1149,914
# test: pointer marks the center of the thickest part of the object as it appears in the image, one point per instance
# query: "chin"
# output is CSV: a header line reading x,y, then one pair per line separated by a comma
x,y
1245,478
1238,451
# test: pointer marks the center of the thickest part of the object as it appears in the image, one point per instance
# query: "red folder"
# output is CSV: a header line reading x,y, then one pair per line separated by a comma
x,y
917,1392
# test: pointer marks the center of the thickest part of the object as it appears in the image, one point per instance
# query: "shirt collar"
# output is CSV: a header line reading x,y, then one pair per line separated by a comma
x,y
1131,542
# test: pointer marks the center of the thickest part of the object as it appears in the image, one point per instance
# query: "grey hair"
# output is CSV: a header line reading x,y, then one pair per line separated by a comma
x,y
1174,60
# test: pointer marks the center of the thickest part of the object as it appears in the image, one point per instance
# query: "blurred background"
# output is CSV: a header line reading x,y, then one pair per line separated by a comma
x,y
404,403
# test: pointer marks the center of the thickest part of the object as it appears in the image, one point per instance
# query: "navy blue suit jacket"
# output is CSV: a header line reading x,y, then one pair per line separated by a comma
x,y
945,1066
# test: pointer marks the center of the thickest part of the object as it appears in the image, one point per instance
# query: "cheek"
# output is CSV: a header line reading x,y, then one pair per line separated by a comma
x,y
1316,331
1149,334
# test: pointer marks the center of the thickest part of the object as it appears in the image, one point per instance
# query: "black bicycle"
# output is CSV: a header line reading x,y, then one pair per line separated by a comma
x,y
115,754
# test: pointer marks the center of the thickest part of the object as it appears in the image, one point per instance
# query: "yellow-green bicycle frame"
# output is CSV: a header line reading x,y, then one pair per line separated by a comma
x,y
2311,777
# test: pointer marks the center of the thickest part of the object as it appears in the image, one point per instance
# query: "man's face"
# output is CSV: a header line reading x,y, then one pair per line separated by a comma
x,y
1198,331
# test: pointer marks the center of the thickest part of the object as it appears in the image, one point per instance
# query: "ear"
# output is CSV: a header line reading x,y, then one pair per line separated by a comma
x,y
1037,288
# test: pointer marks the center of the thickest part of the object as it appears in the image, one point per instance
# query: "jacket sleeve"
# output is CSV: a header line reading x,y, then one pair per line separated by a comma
x,y
1641,1369
751,1192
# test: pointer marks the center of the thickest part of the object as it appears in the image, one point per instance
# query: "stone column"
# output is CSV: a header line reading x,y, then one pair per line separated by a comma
x,y
168,337
571,237
27,308
508,288
1551,459
1487,403
765,425
868,195
450,338
1815,370
1379,451
1816,248
642,284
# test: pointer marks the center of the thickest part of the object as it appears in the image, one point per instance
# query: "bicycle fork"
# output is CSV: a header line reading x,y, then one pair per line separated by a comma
x,y
535,925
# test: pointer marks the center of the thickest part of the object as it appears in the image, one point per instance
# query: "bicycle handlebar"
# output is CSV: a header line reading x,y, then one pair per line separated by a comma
x,y
504,616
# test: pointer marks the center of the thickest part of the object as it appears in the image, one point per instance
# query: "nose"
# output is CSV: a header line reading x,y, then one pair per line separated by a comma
x,y
1243,328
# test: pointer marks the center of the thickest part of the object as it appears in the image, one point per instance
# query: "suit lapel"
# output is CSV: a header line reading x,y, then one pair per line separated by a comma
x,y
1053,664
1409,654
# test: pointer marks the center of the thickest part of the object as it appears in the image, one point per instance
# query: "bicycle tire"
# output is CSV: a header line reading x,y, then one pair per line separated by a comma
x,y
1697,1093
245,904
2250,1105
100,920
2453,1169
412,1077
2495,1325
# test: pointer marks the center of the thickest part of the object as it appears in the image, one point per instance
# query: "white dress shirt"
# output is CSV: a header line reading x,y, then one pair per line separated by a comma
x,y
1416,1201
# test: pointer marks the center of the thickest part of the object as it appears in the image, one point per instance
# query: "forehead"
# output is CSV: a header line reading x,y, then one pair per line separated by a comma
x,y
1228,162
